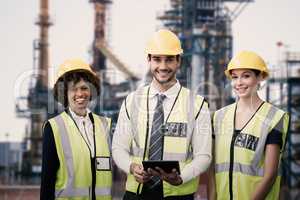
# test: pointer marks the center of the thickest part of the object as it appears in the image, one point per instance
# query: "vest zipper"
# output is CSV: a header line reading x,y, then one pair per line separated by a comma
x,y
234,134
86,134
231,163
93,165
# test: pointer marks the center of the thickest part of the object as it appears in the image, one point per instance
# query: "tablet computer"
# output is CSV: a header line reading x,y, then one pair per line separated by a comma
x,y
166,165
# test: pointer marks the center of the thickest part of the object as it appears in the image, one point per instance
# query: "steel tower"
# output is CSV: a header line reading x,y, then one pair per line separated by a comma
x,y
204,27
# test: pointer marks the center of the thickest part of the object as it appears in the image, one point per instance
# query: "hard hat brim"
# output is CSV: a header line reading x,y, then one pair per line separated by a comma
x,y
163,52
228,75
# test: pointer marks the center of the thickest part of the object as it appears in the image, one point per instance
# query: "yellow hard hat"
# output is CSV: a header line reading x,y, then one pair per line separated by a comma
x,y
164,42
69,66
73,65
247,60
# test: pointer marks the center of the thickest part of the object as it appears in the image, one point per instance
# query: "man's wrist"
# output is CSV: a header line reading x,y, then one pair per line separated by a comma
x,y
180,181
131,167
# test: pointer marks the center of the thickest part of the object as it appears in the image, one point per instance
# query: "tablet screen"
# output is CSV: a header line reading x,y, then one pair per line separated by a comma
x,y
166,165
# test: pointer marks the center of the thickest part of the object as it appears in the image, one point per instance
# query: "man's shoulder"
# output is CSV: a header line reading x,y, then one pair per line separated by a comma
x,y
195,94
139,91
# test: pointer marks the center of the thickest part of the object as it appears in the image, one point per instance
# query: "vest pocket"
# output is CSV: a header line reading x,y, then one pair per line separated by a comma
x,y
174,148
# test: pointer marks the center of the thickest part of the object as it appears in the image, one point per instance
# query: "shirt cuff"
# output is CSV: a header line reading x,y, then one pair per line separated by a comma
x,y
184,177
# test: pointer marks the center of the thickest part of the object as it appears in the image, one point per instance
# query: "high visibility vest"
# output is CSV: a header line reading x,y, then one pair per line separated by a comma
x,y
176,147
239,162
74,176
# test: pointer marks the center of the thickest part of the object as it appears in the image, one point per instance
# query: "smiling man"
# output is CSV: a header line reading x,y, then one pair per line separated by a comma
x,y
163,69
163,121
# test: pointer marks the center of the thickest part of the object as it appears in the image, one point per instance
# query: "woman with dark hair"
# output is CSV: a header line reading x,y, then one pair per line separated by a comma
x,y
249,136
76,143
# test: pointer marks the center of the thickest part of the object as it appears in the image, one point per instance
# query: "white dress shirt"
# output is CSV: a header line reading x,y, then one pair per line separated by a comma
x,y
86,129
201,141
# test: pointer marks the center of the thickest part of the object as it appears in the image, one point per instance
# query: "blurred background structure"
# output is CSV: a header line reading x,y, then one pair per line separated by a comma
x,y
283,90
205,29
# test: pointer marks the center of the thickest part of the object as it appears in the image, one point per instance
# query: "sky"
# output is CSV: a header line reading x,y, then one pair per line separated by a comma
x,y
131,23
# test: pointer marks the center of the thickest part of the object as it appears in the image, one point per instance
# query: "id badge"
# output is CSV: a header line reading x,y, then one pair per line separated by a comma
x,y
175,129
103,163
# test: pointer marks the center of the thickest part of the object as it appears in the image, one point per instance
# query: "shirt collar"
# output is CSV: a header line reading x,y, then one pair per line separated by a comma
x,y
81,118
170,93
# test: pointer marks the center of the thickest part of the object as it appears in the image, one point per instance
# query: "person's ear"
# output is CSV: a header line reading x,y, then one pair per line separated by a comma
x,y
261,77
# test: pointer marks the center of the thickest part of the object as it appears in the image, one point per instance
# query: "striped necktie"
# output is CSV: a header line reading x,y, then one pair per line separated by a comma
x,y
156,138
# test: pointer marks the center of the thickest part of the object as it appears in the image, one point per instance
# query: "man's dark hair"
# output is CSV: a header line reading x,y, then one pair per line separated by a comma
x,y
60,89
177,57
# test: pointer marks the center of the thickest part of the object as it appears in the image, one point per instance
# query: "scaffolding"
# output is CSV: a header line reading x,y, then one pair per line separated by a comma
x,y
204,27
283,90
108,103
36,102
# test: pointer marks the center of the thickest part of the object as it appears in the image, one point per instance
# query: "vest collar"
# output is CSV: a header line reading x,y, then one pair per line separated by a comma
x,y
171,93
77,118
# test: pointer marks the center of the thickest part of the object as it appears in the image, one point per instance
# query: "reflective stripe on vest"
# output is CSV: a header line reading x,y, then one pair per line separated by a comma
x,y
248,165
135,108
263,138
138,152
188,103
238,167
70,190
267,120
245,169
106,130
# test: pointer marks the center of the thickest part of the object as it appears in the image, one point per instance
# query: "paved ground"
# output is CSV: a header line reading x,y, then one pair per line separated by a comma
x,y
19,192
32,192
